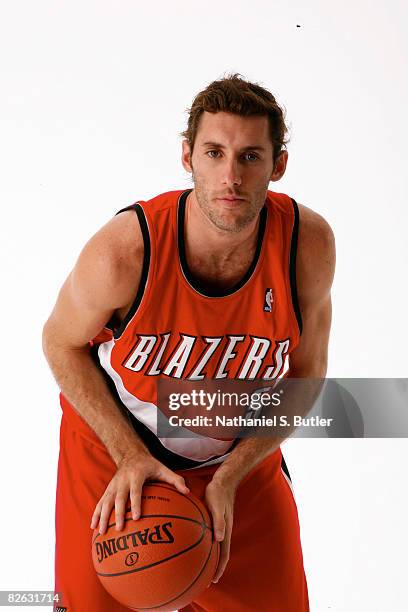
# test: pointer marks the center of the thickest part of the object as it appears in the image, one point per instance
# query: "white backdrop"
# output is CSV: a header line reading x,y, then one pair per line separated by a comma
x,y
92,98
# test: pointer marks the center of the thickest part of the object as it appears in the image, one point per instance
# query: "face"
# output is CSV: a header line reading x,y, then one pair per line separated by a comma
x,y
232,165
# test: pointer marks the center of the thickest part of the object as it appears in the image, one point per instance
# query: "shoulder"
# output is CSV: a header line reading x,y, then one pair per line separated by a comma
x,y
314,231
316,252
118,242
109,265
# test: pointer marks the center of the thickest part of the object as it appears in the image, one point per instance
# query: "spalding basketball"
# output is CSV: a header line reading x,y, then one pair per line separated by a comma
x,y
162,561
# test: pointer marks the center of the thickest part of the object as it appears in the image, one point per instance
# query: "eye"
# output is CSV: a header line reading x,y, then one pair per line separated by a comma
x,y
251,156
210,153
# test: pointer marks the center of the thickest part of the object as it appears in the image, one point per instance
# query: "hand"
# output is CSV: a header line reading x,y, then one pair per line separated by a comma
x,y
129,479
220,501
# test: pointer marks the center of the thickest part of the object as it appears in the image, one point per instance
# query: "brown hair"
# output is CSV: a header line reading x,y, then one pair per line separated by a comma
x,y
233,94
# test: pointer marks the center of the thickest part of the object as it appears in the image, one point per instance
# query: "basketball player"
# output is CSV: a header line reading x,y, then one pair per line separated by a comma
x,y
225,280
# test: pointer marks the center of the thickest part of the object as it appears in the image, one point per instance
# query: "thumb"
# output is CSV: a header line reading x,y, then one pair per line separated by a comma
x,y
218,520
176,480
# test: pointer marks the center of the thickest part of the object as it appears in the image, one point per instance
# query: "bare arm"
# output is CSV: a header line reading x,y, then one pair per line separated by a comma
x,y
314,270
104,279
99,284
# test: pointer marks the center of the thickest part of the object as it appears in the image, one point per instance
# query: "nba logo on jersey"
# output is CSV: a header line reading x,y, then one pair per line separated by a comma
x,y
268,300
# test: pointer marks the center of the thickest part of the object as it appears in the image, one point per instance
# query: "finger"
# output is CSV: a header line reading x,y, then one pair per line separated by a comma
x,y
105,514
218,519
136,500
174,479
224,556
96,515
120,503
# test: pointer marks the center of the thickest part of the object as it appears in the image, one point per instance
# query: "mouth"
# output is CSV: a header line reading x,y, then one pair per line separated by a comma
x,y
230,201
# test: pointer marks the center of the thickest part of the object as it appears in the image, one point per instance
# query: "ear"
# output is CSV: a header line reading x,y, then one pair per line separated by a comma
x,y
280,166
186,156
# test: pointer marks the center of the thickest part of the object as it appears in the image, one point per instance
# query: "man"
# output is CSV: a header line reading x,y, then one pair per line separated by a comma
x,y
226,280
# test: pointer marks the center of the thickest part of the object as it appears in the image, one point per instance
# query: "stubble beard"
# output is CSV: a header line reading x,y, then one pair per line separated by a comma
x,y
235,223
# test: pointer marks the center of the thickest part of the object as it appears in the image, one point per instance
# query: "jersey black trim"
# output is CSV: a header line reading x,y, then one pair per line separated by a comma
x,y
292,265
145,268
172,460
183,260
285,468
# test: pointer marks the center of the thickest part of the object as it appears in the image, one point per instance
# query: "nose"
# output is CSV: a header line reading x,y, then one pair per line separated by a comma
x,y
231,173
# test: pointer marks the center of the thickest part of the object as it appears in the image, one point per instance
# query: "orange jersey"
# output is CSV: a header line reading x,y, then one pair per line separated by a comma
x,y
178,329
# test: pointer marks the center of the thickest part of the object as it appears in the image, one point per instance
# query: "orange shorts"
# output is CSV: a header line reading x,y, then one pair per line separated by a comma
x,y
265,571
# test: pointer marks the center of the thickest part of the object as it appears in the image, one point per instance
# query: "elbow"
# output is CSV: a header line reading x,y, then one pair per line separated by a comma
x,y
45,340
315,369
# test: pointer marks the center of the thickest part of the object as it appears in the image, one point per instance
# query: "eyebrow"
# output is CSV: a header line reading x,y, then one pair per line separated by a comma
x,y
220,146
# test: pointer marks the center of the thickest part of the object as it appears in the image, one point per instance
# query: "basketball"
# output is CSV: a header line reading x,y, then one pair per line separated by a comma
x,y
163,560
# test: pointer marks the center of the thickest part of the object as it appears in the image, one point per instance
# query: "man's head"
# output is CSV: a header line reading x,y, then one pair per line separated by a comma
x,y
233,146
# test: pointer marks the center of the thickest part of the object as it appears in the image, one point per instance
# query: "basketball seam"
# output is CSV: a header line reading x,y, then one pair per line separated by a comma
x,y
165,603
139,569
185,518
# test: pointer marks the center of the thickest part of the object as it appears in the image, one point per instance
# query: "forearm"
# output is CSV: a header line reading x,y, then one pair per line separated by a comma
x,y
245,456
298,395
85,388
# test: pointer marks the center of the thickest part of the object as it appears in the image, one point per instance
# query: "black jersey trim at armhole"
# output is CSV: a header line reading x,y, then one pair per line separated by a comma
x,y
285,468
145,268
292,265
193,282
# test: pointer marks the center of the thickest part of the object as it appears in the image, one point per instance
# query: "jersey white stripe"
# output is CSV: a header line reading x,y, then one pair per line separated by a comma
x,y
195,447
289,483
